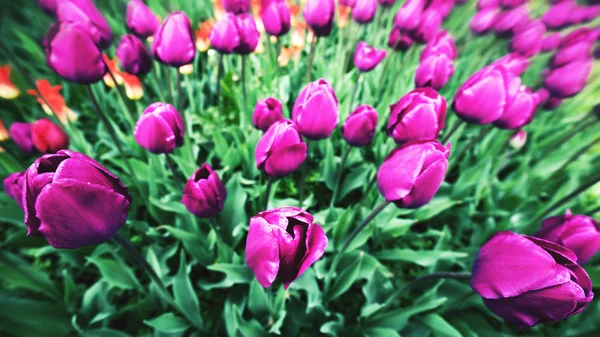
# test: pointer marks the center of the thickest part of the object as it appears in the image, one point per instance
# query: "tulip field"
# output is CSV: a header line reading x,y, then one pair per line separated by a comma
x,y
340,168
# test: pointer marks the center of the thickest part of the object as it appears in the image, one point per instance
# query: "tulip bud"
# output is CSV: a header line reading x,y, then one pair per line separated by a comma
x,y
249,35
140,20
316,110
568,80
236,6
398,40
484,20
224,35
366,58
429,25
441,43
418,115
160,129
528,281
281,150
519,111
133,55
558,16
542,94
175,41
364,11
72,54
360,126
518,139
551,42
528,38
276,18
21,135
434,71
510,19
266,112
575,46
48,137
514,63
13,186
73,201
483,4
412,173
48,6
204,193
319,15
408,16
89,17
283,242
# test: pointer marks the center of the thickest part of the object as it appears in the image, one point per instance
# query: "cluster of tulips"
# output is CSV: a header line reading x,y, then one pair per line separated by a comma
x,y
72,200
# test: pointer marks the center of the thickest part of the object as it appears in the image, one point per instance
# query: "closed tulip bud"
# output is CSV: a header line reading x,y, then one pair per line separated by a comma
x,y
48,137
387,3
266,112
418,115
72,54
551,42
283,242
73,201
579,233
443,7
441,43
515,63
519,111
204,193
481,99
48,6
484,20
175,41
160,129
429,25
510,19
281,149
316,110
247,32
366,58
434,71
276,18
542,95
89,17
319,15
236,6
558,16
140,20
364,11
528,281
512,3
411,174
568,80
133,55
224,35
528,38
409,15
360,126
21,135
577,45
13,186
518,139
483,4
398,40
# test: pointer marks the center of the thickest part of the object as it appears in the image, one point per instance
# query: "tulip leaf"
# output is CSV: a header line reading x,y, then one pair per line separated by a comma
x,y
234,274
439,326
346,278
258,300
194,244
380,332
25,317
233,213
397,319
117,274
425,258
18,273
357,177
168,323
185,297
105,333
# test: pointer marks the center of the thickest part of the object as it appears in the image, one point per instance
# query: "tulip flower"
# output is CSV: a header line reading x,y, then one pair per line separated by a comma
x,y
483,4
316,110
398,40
558,15
412,173
575,46
418,115
72,54
48,137
429,25
434,71
236,6
175,41
21,135
518,139
266,112
568,80
276,18
510,19
89,18
49,97
409,15
484,20
281,149
283,242
133,55
48,6
363,11
511,3
247,32
360,126
528,38
441,43
366,58
579,233
519,111
204,193
529,281
8,90
160,129
515,63
140,20
550,42
319,15
224,35
13,186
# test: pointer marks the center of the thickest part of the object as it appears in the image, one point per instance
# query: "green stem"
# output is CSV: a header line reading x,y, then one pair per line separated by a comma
x,y
244,94
354,92
157,85
467,147
336,187
578,154
218,88
270,181
454,128
311,56
592,211
173,170
179,95
169,86
363,224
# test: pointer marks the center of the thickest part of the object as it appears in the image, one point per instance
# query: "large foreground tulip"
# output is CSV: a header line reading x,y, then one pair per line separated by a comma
x,y
85,13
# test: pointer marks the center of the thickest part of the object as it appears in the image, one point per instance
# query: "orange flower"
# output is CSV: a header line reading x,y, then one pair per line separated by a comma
x,y
55,101
260,47
288,53
202,41
7,89
3,133
299,34
295,10
218,9
133,86
114,69
343,14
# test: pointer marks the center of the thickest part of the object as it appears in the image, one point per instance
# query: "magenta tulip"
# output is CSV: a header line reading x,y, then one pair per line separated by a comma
x,y
509,20
434,71
133,55
441,43
319,15
363,11
266,112
429,25
515,63
512,3
281,149
550,42
568,80
366,58
484,20
528,38
140,20
575,46
48,6
409,15
316,110
398,40
21,135
248,33
160,129
89,17
175,41
204,193
360,126
483,4
276,18
559,15
236,6
224,35
519,111
13,186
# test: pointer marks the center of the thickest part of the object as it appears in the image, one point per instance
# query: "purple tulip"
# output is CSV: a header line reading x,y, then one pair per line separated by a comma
x,y
21,135
443,7
89,17
366,58
13,186
281,149
248,33
316,110
434,71
550,42
597,53
543,95
514,63
412,173
484,20
518,139
204,193
283,242
568,80
510,19
418,115
579,233
398,40
409,15
528,38
72,54
175,41
482,98
266,112
558,16
160,129
360,126
364,11
236,6
73,201
552,103
519,111
276,18
483,4
387,3
529,281
441,43
133,55
575,46
429,25
140,20
512,3
224,35
48,6
319,15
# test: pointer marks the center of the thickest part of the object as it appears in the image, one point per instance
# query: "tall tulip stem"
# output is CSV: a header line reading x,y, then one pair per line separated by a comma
x,y
270,181
336,187
244,94
363,224
218,88
311,57
578,154
470,145
178,84
452,131
173,170
354,92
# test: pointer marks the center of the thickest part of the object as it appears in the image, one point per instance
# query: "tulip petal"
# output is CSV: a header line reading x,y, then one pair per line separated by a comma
x,y
262,251
292,249
285,161
154,134
397,175
426,185
316,242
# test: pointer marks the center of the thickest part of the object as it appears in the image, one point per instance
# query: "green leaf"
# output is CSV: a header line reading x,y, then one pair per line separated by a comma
x,y
168,323
105,333
439,326
346,278
194,244
425,258
185,297
380,332
30,318
116,274
397,319
233,214
170,206
357,177
234,274
258,300
330,170
18,273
